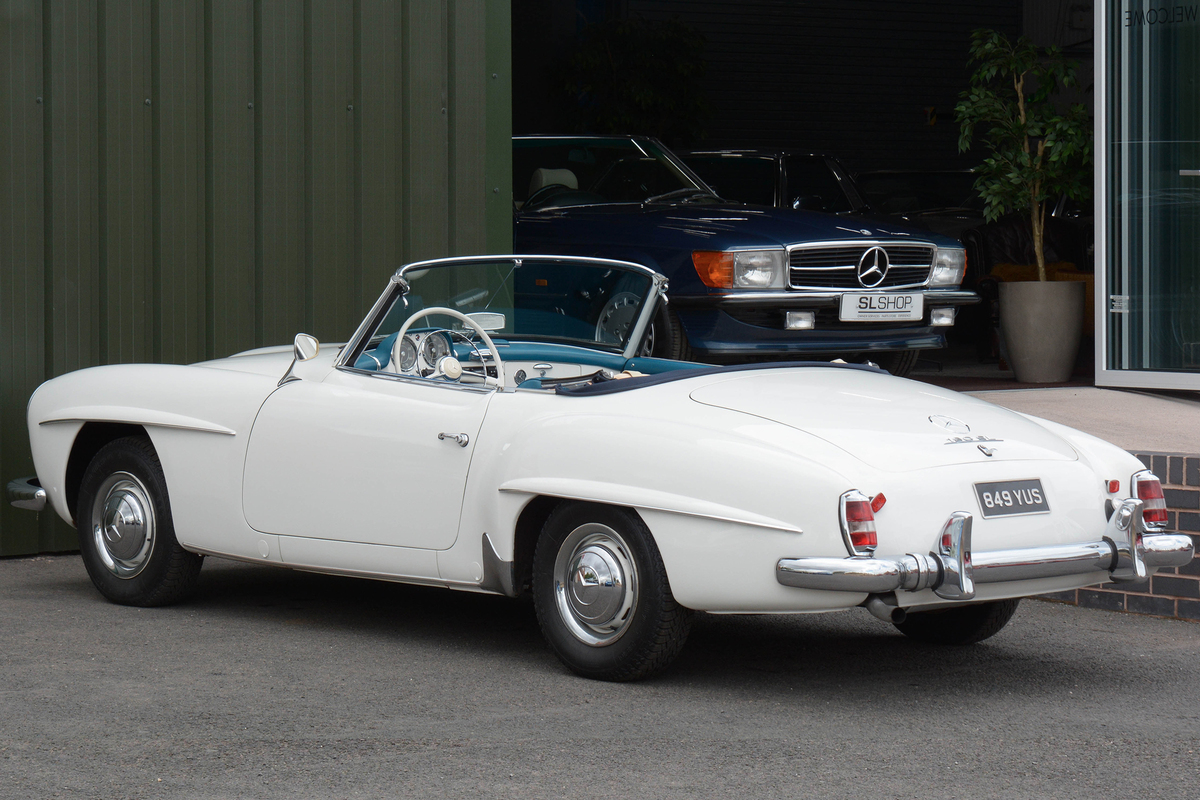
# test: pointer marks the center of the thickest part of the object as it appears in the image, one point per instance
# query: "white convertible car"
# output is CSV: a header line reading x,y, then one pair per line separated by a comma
x,y
491,427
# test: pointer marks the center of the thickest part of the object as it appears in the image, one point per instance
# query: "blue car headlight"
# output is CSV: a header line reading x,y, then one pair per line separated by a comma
x,y
949,267
742,269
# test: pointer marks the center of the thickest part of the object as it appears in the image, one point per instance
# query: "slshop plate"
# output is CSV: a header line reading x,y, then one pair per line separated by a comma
x,y
882,306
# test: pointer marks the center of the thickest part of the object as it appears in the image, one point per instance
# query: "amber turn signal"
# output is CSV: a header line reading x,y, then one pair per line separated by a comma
x,y
714,268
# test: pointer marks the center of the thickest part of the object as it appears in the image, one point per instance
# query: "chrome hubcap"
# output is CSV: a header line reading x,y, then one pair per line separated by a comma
x,y
123,524
595,584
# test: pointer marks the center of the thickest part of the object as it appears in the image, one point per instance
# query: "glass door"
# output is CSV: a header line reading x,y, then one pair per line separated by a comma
x,y
1148,147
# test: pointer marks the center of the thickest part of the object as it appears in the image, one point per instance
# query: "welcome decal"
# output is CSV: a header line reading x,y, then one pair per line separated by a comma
x,y
1166,15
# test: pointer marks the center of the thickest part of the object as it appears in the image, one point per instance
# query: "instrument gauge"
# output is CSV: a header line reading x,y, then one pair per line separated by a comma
x,y
434,347
408,354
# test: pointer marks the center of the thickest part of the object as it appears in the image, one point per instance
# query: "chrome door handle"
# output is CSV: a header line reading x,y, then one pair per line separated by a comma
x,y
1189,173
462,439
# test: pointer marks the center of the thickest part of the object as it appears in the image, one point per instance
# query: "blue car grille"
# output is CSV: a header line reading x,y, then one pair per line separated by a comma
x,y
836,266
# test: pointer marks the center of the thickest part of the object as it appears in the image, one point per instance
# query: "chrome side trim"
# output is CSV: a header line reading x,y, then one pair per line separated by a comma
x,y
633,503
218,429
27,493
1125,552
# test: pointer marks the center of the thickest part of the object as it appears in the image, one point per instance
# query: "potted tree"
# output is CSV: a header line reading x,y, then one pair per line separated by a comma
x,y
1037,154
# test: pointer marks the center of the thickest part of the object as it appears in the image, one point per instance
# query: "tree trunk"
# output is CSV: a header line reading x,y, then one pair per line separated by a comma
x,y
1038,218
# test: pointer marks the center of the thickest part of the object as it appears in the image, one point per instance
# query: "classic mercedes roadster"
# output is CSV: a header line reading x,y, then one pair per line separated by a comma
x,y
492,426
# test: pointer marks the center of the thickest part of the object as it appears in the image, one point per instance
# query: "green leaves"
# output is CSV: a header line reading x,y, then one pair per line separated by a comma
x,y
1036,152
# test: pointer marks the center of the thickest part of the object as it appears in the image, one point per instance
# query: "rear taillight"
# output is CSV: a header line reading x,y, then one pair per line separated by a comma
x,y
858,523
1149,490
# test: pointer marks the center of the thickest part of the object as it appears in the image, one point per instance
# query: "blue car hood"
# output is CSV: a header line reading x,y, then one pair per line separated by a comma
x,y
720,225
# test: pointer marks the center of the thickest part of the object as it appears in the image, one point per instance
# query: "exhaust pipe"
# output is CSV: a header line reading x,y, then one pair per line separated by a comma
x,y
883,606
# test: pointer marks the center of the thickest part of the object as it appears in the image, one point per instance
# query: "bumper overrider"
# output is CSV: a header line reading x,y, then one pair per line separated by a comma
x,y
27,493
1128,551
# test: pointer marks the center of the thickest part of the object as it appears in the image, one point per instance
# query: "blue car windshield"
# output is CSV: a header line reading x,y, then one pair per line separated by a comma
x,y
594,170
558,300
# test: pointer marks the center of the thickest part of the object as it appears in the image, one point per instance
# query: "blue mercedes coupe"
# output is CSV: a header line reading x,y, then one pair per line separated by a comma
x,y
746,282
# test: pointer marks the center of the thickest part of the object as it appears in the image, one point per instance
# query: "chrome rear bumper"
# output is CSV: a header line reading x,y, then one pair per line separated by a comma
x,y
27,493
1126,552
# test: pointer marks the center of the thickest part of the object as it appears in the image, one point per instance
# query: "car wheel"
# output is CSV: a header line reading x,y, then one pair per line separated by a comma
x,y
962,625
126,534
601,594
897,362
667,336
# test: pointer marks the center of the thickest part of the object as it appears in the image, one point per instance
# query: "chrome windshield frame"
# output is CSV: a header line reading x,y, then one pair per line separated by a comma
x,y
398,283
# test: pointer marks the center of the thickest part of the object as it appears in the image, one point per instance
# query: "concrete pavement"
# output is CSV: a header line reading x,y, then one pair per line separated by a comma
x,y
280,684
1133,420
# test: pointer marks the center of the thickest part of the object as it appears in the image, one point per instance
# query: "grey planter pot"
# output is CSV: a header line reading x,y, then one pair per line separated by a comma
x,y
1042,323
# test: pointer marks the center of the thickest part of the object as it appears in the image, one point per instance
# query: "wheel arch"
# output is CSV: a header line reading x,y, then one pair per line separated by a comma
x,y
525,536
91,438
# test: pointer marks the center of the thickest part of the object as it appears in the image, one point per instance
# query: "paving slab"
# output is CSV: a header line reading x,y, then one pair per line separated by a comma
x,y
1133,420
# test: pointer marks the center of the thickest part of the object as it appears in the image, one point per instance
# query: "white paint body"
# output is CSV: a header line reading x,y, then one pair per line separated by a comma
x,y
343,471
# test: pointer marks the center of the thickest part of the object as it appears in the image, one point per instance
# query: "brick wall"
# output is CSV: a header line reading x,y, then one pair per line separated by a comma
x,y
1170,592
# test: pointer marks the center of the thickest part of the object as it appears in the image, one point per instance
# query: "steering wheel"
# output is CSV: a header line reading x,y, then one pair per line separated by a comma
x,y
545,193
470,323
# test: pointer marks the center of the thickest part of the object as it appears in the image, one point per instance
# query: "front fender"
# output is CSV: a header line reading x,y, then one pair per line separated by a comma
x,y
198,419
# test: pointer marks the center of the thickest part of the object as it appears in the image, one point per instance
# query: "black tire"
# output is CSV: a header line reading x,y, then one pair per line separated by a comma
x,y
898,362
636,630
138,562
667,336
961,625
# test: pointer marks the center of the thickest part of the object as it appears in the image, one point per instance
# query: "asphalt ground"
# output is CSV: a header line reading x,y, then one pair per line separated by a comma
x,y
280,684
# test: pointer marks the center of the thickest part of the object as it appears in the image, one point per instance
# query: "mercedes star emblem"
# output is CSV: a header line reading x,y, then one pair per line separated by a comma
x,y
872,267
950,423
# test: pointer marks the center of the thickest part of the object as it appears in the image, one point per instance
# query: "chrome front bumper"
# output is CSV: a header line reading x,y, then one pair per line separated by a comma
x,y
1127,552
27,493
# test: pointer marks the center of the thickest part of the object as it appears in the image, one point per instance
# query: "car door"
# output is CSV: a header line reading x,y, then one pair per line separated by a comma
x,y
357,458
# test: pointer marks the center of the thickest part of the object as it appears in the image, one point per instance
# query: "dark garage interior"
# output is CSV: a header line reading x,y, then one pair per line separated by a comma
x,y
871,84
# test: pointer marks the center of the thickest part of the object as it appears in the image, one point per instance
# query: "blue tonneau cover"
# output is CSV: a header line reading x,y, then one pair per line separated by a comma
x,y
626,384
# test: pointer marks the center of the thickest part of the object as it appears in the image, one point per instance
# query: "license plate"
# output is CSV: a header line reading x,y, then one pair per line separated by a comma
x,y
866,307
1012,498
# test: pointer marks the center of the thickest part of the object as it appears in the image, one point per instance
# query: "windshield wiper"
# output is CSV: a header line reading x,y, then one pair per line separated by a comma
x,y
686,193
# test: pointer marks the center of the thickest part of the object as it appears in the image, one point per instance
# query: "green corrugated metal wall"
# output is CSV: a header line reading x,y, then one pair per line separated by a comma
x,y
184,180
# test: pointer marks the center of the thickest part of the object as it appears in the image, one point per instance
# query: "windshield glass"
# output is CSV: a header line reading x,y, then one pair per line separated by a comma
x,y
564,301
552,172
747,179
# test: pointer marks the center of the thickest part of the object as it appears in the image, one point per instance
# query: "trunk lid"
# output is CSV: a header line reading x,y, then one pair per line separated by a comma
x,y
890,423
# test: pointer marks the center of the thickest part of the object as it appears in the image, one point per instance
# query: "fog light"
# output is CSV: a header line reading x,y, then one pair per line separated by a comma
x,y
942,316
801,320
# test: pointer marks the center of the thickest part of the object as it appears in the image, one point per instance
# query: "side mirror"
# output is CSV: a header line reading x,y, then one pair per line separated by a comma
x,y
305,347
812,202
